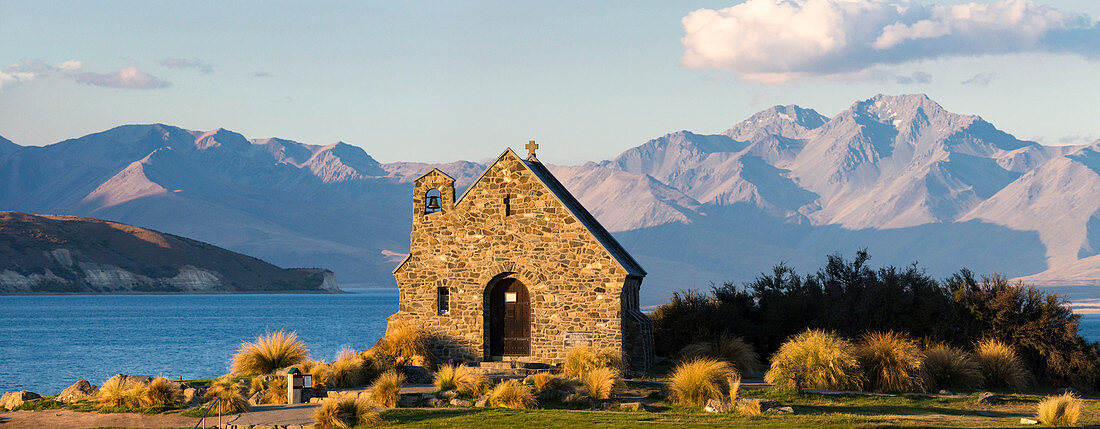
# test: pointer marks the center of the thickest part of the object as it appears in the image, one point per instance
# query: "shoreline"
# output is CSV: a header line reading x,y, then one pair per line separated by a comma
x,y
282,292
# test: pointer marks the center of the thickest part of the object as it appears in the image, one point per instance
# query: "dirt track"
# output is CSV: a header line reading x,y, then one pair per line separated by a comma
x,y
72,419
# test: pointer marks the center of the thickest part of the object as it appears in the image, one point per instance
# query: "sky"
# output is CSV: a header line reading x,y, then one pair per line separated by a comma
x,y
442,81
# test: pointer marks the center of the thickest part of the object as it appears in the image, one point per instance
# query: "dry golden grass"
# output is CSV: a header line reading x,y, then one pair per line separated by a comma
x,y
257,385
460,378
734,382
946,367
230,400
815,359
541,381
582,359
386,390
749,408
120,392
891,362
275,391
694,382
1061,410
349,369
1002,368
512,394
734,350
160,391
274,350
598,383
322,374
403,345
345,413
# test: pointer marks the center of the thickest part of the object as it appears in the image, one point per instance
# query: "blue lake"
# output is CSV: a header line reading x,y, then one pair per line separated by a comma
x,y
49,342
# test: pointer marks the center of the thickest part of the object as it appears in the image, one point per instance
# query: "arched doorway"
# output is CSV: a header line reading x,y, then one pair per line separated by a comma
x,y
509,319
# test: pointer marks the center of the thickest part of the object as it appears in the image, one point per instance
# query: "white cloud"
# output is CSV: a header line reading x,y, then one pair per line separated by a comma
x,y
184,63
781,40
980,79
27,70
126,78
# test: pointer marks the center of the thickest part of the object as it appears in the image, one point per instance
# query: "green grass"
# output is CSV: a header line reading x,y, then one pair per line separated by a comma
x,y
811,410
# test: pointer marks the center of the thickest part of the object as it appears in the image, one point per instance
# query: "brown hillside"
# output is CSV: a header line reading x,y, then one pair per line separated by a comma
x,y
45,253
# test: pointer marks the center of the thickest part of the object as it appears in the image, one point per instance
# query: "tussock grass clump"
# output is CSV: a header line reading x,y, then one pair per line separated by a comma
x,y
120,392
160,391
1002,368
512,394
404,345
694,382
735,387
734,350
322,374
275,391
815,359
271,351
350,369
1061,410
541,381
345,413
598,383
386,390
891,362
582,359
750,408
946,367
460,378
230,400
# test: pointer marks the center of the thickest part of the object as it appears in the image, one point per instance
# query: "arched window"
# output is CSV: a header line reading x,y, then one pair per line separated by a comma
x,y
433,201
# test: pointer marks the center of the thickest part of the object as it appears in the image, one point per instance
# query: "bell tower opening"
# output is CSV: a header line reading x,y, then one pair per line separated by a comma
x,y
432,201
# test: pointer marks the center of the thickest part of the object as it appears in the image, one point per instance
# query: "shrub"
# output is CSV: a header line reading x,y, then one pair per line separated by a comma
x,y
275,391
460,378
345,412
160,391
734,350
696,381
1001,367
946,367
230,400
582,359
322,375
349,369
404,345
891,362
257,385
512,394
120,392
541,381
815,359
386,390
274,350
599,382
1061,410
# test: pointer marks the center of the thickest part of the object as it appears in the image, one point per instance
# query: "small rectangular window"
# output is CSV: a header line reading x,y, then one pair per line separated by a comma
x,y
507,205
443,300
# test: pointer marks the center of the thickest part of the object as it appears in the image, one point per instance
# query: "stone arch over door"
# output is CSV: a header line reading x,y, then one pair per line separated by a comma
x,y
508,318
493,274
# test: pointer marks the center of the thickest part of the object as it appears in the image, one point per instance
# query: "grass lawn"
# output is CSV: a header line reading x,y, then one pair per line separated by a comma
x,y
811,410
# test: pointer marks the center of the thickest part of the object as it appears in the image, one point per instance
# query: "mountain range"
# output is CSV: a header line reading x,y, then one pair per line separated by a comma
x,y
897,175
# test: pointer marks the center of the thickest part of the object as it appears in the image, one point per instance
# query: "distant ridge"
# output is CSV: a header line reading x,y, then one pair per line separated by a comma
x,y
68,254
899,175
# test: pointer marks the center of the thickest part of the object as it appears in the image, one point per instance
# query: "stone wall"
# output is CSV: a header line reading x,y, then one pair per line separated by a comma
x,y
577,290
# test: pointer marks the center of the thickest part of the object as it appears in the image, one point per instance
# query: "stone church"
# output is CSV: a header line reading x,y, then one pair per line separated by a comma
x,y
517,270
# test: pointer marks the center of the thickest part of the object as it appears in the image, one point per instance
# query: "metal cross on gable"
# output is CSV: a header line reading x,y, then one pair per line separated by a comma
x,y
531,146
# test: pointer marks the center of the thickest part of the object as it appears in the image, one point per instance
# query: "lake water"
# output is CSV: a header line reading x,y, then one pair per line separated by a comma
x,y
49,342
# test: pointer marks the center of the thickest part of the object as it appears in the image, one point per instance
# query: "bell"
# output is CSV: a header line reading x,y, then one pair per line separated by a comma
x,y
433,203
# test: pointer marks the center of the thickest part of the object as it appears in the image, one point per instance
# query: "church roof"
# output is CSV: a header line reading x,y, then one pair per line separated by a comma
x,y
570,202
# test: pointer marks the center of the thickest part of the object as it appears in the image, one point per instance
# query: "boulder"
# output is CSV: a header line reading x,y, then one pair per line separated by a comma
x,y
417,375
716,406
130,379
482,401
11,400
1027,421
436,402
550,395
781,410
449,394
988,398
79,391
632,406
461,403
408,401
193,396
257,398
765,404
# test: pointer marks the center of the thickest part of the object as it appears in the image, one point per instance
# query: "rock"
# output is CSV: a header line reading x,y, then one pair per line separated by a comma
x,y
461,402
417,375
945,392
606,405
1068,390
193,396
781,410
765,404
11,400
482,401
550,395
1027,421
79,391
632,406
436,402
988,398
717,406
449,394
257,398
130,379
408,401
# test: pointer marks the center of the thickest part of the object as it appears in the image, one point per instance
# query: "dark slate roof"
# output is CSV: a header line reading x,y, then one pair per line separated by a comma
x,y
609,243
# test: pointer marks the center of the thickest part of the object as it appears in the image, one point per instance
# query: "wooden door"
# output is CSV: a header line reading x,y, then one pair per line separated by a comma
x,y
510,319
